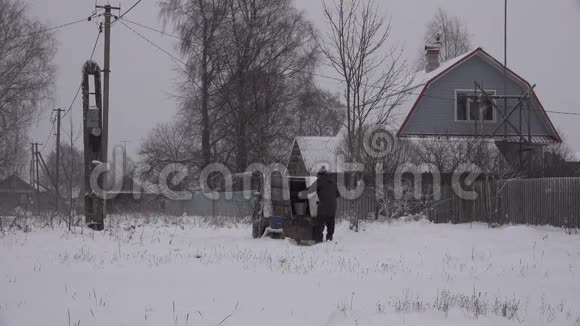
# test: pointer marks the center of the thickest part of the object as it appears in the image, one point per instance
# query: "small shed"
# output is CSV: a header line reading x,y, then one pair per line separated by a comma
x,y
309,154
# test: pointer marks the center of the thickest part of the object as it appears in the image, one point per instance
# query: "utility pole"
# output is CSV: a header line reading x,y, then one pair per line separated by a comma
x,y
124,157
32,174
35,172
505,37
106,71
45,167
57,172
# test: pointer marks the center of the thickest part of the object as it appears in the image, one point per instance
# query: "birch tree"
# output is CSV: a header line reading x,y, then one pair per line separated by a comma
x,y
269,46
198,23
26,80
374,74
244,60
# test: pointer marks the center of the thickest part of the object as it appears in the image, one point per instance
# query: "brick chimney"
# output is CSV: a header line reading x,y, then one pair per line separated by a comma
x,y
431,58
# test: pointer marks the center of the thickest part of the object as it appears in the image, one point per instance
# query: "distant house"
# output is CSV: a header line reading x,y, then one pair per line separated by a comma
x,y
446,100
14,192
17,193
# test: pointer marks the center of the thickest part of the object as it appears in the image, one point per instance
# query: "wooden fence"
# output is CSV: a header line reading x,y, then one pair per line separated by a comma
x,y
361,207
239,206
550,201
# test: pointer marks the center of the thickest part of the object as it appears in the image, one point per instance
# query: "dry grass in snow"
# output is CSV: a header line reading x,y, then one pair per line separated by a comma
x,y
184,271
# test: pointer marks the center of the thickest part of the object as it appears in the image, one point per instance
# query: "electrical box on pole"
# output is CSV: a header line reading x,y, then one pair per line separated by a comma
x,y
93,147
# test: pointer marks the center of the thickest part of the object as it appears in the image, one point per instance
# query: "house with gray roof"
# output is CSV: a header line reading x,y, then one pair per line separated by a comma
x,y
466,97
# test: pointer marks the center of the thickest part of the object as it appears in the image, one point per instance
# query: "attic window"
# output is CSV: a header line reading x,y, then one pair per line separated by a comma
x,y
468,107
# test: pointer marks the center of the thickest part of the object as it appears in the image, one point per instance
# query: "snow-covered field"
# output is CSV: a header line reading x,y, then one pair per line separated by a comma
x,y
188,273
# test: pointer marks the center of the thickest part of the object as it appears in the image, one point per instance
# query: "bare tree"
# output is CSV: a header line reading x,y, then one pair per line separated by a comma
x,y
245,58
198,22
26,79
495,171
374,73
14,151
75,168
169,143
71,168
269,45
401,152
555,160
450,33
320,112
498,173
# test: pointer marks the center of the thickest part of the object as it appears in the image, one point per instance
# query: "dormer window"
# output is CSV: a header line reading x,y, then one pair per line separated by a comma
x,y
469,107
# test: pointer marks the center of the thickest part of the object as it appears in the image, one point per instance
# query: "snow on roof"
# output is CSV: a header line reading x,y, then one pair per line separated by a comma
x,y
321,151
421,79
317,151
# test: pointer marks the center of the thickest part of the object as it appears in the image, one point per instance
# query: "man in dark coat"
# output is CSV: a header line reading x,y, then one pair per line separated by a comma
x,y
327,191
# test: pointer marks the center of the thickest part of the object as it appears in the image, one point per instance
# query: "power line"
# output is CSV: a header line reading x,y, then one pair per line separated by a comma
x,y
49,29
133,6
74,99
155,45
399,92
81,84
155,30
47,137
409,91
77,93
562,112
174,58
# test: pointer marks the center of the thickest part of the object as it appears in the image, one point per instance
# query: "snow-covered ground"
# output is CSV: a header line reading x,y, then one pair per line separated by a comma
x,y
412,273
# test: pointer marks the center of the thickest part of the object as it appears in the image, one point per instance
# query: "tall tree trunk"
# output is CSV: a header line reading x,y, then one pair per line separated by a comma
x,y
242,148
205,133
242,151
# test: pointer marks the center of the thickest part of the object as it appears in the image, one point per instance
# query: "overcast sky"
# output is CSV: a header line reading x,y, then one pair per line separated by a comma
x,y
543,47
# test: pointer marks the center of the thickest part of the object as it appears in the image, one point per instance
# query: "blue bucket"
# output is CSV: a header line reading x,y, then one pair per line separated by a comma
x,y
276,222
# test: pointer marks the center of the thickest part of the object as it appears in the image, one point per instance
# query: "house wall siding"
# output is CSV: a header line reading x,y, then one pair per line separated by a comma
x,y
435,113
